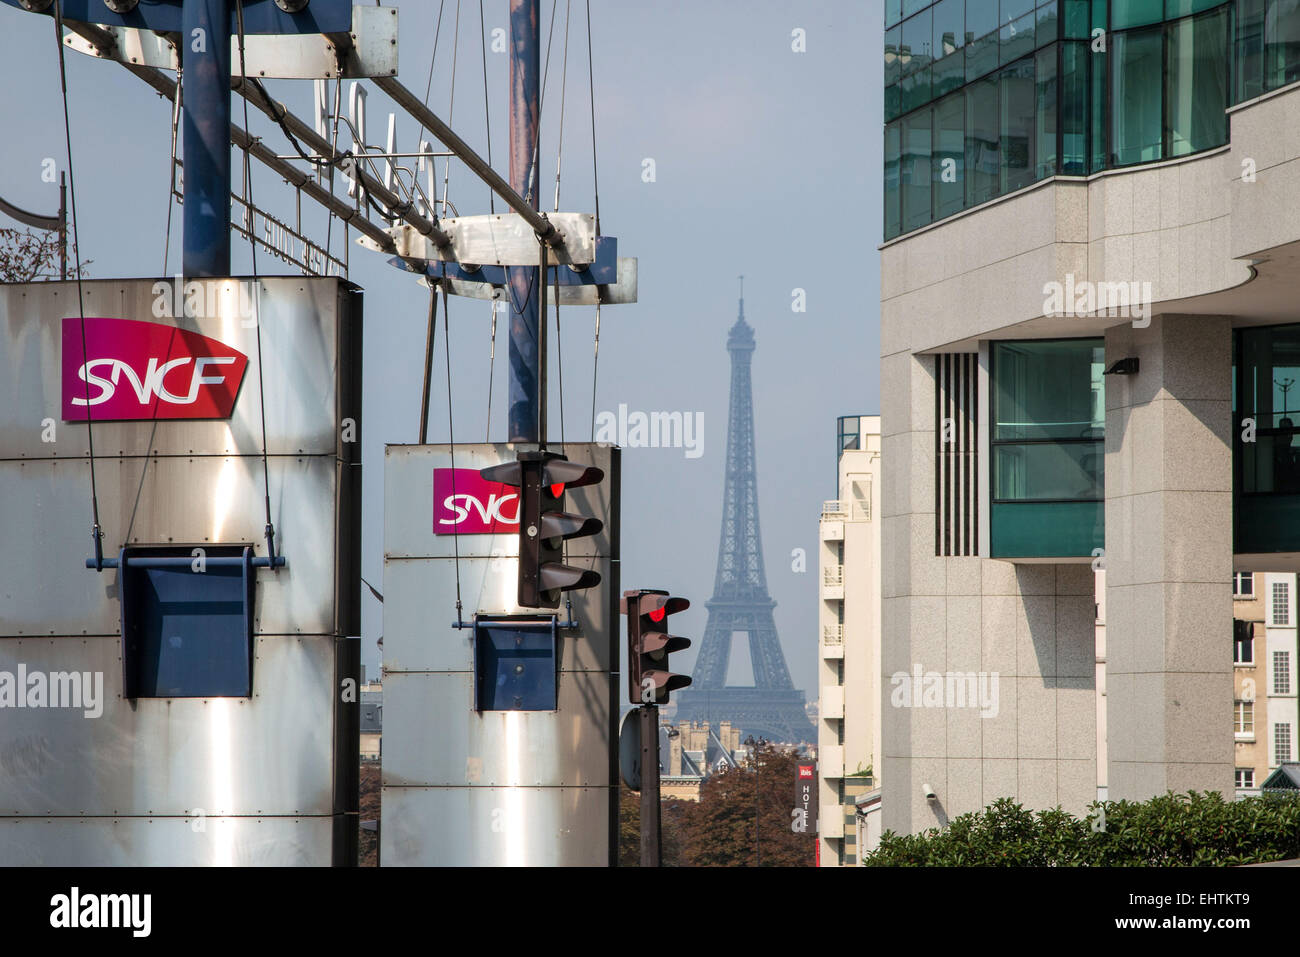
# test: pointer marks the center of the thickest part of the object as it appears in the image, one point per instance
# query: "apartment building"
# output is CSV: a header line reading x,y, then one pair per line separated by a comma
x,y
848,725
1264,652
1089,334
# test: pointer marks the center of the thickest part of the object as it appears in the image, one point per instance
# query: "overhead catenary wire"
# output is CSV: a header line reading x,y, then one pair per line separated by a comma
x,y
171,169
429,337
95,530
451,105
451,441
564,90
492,365
487,110
595,176
257,304
559,354
595,364
334,145
541,105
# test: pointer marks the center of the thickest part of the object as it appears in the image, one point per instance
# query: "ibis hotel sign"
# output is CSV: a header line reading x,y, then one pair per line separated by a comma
x,y
125,369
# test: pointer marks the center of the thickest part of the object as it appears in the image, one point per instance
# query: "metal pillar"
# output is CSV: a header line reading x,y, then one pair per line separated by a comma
x,y
525,70
651,832
205,39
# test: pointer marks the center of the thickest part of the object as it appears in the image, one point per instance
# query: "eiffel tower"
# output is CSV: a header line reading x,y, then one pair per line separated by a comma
x,y
773,707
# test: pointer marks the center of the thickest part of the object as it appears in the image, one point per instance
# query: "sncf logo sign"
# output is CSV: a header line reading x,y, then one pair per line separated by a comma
x,y
145,370
465,503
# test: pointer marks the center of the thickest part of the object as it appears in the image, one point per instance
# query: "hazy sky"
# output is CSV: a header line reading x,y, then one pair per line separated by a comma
x,y
767,162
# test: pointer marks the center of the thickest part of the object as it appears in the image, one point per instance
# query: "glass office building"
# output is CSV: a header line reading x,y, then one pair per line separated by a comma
x,y
985,97
1038,153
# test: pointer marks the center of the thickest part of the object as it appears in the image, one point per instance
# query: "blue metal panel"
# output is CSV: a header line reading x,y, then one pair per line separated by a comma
x,y
260,16
515,664
187,633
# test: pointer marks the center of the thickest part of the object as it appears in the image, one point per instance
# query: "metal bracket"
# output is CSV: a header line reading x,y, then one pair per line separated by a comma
x,y
499,239
585,291
369,50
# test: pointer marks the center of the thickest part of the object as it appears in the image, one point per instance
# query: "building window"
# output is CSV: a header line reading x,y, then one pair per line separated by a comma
x,y
1281,43
1244,720
1281,672
1281,742
1243,643
1243,585
1245,777
1135,131
1040,102
914,170
1197,70
1281,604
1047,442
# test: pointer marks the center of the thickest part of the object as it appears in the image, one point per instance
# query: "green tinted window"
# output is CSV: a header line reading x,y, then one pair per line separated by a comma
x,y
1074,108
915,170
1135,13
1049,415
949,27
1248,50
1017,127
949,155
982,164
893,204
1196,83
1136,126
1045,100
1282,42
1048,389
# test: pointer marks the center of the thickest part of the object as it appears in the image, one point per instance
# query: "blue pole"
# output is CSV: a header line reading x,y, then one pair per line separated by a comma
x,y
525,74
205,38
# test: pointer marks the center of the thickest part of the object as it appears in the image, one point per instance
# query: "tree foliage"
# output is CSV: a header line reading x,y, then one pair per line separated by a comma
x,y
742,819
29,255
1173,830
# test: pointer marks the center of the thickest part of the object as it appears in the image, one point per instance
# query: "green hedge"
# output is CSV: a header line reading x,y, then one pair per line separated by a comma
x,y
1192,829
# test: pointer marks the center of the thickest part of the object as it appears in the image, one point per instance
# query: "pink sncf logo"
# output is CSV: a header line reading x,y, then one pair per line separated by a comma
x,y
465,503
134,370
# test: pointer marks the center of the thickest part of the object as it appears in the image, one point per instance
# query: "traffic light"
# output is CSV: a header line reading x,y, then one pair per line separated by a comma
x,y
542,478
648,645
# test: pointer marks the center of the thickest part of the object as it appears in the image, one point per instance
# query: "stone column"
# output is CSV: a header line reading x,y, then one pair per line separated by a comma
x,y
1169,558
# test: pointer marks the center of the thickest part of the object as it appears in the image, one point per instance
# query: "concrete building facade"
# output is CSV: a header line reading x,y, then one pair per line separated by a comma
x,y
1088,334
848,726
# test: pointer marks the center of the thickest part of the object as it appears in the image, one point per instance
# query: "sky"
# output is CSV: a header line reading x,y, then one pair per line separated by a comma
x,y
766,163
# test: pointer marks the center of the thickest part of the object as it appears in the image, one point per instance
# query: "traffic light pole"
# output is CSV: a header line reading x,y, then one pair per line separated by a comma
x,y
651,841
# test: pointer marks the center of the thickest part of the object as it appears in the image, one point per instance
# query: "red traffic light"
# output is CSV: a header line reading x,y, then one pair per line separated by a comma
x,y
649,680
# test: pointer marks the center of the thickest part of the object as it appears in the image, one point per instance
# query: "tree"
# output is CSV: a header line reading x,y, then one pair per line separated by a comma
x,y
743,817
673,818
28,255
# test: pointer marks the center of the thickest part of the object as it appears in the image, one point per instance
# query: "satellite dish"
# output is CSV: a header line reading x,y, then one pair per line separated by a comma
x,y
629,749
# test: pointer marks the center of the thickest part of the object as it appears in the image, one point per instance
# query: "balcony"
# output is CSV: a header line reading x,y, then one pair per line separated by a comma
x,y
831,706
832,522
833,582
831,761
832,641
